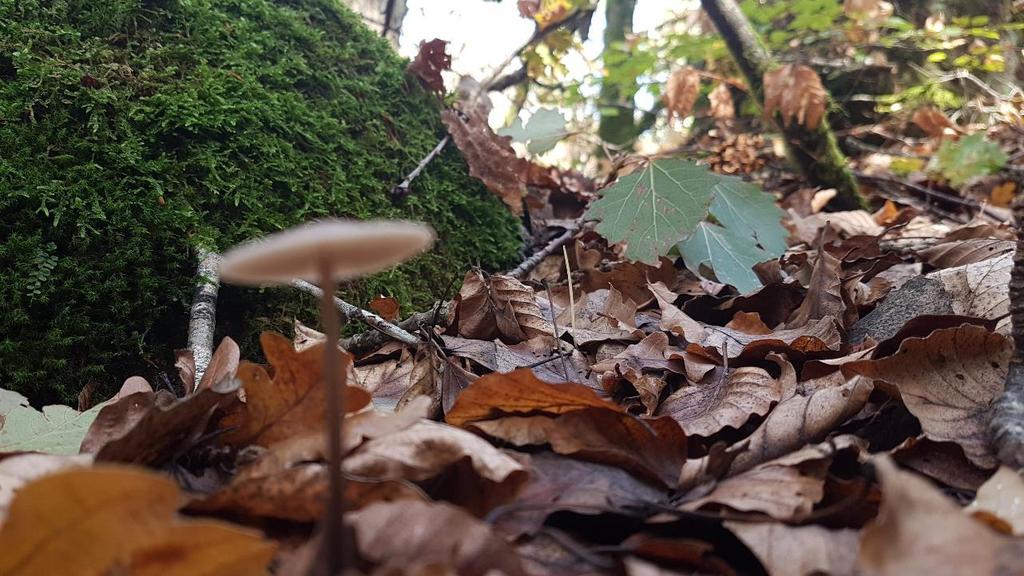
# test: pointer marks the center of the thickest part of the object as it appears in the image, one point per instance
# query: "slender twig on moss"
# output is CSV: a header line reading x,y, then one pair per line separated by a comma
x,y
402,189
203,314
355,313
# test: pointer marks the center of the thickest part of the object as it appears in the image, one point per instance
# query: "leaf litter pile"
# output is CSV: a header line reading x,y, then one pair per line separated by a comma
x,y
807,399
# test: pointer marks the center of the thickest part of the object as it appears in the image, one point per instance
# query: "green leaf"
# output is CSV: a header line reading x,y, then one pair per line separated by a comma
x,y
654,209
970,157
55,430
9,400
542,131
729,254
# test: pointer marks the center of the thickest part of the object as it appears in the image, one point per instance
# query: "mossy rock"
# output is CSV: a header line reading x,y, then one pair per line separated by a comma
x,y
132,131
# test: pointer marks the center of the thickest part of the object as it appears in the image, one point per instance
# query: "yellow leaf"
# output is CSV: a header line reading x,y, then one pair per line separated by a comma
x,y
119,520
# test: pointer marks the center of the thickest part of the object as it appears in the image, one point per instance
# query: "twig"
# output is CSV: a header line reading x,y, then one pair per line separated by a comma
x,y
932,193
530,263
554,327
403,189
355,313
203,315
572,297
372,339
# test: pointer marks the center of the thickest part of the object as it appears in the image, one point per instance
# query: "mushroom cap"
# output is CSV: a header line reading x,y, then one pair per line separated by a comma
x,y
350,248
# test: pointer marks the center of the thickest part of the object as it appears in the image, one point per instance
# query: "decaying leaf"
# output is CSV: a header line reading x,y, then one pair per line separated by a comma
x,y
920,531
430,61
964,252
289,404
800,550
111,520
490,157
722,107
20,469
796,93
933,122
948,380
705,408
498,307
1000,501
681,92
409,536
55,430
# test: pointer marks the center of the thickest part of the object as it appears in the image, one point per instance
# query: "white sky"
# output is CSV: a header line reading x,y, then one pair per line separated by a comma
x,y
481,34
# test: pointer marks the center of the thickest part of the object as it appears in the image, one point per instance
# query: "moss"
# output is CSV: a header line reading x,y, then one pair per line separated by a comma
x,y
132,130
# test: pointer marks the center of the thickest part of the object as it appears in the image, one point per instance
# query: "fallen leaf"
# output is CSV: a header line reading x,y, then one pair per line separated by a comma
x,y
111,520
386,307
933,122
999,501
289,404
942,461
56,430
948,381
539,354
800,550
518,393
919,531
150,429
681,92
498,307
635,361
223,364
963,252
824,297
596,320
404,535
431,59
979,289
796,92
706,408
799,420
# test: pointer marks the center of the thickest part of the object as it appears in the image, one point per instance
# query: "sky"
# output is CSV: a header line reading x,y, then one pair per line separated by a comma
x,y
482,33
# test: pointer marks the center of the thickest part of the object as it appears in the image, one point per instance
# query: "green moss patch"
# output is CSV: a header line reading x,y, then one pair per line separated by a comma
x,y
132,131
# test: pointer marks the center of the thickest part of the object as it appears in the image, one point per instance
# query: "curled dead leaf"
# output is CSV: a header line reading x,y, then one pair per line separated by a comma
x,y
796,93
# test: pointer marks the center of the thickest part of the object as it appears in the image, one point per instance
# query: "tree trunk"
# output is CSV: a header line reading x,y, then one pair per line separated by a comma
x,y
815,152
617,125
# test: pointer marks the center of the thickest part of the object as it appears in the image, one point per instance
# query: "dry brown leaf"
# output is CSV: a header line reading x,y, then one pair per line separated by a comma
x,y
786,488
291,403
115,520
963,252
681,92
634,364
498,307
150,429
933,122
824,297
799,420
920,531
628,278
943,461
386,307
404,535
796,92
948,381
518,393
980,289
539,352
490,157
560,483
817,336
223,364
600,317
1000,501
706,408
185,362
722,107
800,550
431,59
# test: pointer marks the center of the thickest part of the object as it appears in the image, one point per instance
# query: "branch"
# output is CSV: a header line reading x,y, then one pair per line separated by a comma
x,y
402,189
372,339
530,263
354,313
203,314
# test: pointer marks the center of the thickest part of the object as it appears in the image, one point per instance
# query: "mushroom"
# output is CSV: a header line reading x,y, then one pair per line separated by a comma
x,y
326,252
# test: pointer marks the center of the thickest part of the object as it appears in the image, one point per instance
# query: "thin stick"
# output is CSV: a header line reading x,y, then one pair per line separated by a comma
x,y
530,263
355,313
928,192
403,188
554,326
333,543
203,314
572,298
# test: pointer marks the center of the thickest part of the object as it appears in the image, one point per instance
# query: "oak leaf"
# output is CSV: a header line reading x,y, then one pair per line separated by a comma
x,y
288,404
115,520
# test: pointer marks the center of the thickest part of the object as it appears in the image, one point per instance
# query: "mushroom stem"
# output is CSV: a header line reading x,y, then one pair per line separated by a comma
x,y
334,544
